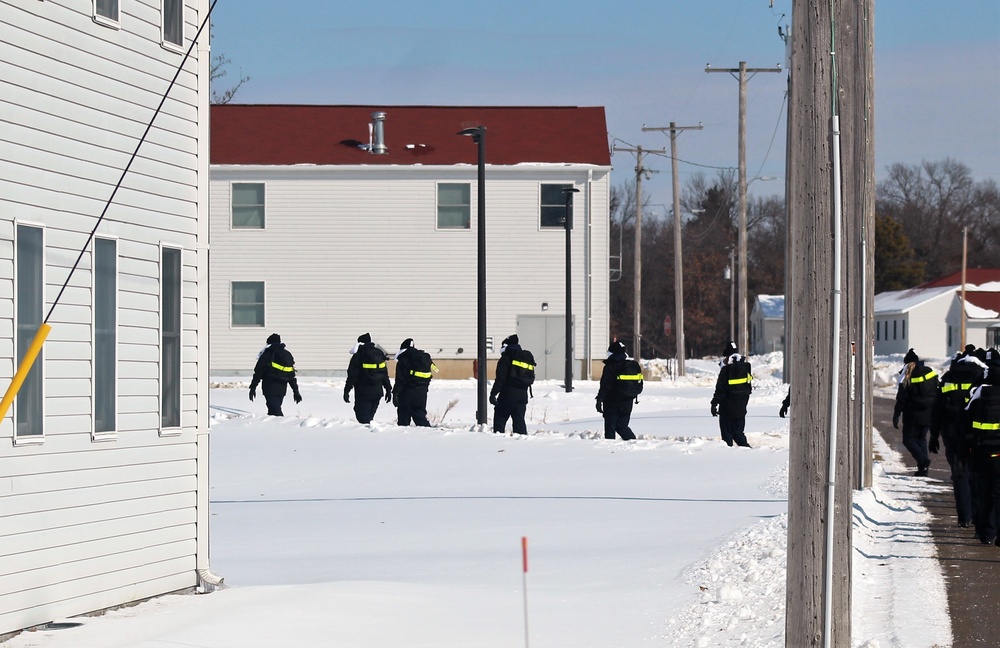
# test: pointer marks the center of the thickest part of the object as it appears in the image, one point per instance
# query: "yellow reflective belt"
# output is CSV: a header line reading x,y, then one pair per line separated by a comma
x,y
979,425
630,377
740,381
420,374
275,365
525,365
920,379
380,365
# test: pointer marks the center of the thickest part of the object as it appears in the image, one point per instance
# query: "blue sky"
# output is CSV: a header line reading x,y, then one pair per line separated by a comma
x,y
937,70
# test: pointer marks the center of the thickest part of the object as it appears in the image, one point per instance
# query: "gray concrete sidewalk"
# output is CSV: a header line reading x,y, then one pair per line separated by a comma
x,y
971,569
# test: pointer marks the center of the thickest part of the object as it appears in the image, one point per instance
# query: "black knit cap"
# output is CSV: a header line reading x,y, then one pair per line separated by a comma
x,y
911,356
616,347
274,338
406,344
730,349
365,338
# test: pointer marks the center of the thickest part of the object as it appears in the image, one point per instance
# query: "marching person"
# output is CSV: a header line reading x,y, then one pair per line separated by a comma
x,y
368,376
515,372
274,372
982,431
785,404
948,423
621,383
732,393
915,404
414,370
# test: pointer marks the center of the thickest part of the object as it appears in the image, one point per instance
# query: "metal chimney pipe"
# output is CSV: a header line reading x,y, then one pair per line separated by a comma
x,y
378,146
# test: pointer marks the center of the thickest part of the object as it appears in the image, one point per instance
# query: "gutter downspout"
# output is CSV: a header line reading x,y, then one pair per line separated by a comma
x,y
207,581
588,273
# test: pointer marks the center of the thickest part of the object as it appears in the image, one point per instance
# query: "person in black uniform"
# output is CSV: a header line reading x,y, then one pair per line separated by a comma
x,y
915,403
785,404
414,370
982,431
274,372
612,403
732,393
508,395
965,374
368,376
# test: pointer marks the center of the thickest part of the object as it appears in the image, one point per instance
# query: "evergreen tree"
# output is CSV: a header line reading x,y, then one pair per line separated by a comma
x,y
896,267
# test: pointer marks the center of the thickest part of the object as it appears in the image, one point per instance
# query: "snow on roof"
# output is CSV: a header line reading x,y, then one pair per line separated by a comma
x,y
772,306
900,301
973,276
982,304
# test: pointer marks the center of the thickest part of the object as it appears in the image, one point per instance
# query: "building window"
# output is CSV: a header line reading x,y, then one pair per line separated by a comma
x,y
949,336
170,338
894,323
105,334
878,330
172,12
248,303
993,337
248,205
29,302
106,12
903,322
553,205
453,209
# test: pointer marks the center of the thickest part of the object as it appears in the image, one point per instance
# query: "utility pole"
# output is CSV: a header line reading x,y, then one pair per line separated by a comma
x,y
742,71
678,264
965,259
640,171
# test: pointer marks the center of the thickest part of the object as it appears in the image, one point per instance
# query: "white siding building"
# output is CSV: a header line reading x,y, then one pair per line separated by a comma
x,y
103,449
767,324
324,228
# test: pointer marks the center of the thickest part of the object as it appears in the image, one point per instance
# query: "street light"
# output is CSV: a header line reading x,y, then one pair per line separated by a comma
x,y
742,343
569,191
478,135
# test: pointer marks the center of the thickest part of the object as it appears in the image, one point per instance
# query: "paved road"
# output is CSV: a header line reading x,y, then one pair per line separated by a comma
x,y
972,570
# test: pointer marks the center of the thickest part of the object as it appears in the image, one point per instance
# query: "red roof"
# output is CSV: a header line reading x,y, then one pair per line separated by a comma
x,y
984,299
299,134
974,276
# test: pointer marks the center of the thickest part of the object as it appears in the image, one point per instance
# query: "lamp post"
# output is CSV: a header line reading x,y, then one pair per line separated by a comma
x,y
478,135
728,274
569,191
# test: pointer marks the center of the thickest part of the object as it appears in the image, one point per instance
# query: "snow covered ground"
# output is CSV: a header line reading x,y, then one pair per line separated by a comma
x,y
331,533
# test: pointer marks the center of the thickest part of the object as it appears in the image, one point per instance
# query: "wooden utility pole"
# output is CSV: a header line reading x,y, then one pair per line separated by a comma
x,y
831,150
640,171
965,260
678,259
741,71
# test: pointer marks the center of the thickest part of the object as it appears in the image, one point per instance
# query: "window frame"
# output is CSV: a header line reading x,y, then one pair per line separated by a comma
x,y
170,395
233,206
438,205
36,377
100,432
262,305
108,21
542,206
178,15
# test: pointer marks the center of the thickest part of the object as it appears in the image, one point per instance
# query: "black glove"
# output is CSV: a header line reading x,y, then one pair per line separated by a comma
x,y
934,445
600,407
388,396
783,411
493,399
296,396
253,393
347,397
395,400
715,409
895,420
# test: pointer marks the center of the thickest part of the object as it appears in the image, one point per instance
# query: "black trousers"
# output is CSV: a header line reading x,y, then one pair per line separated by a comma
x,y
732,429
616,422
274,394
365,410
412,405
508,409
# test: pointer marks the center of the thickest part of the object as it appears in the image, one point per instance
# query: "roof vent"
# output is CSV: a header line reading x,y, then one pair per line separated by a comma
x,y
376,134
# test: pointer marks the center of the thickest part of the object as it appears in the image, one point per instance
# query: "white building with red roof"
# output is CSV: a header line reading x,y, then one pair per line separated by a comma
x,y
332,221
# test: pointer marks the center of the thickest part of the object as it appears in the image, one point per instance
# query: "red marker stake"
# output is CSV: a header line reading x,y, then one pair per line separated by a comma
x,y
524,582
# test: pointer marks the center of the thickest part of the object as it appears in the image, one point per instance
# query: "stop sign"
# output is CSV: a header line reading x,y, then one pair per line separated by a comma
x,y
666,325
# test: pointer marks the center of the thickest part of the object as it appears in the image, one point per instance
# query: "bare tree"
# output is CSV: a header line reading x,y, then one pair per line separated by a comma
x,y
217,72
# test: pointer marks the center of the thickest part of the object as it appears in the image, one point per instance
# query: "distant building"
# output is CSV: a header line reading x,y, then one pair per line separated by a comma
x,y
928,317
332,221
767,324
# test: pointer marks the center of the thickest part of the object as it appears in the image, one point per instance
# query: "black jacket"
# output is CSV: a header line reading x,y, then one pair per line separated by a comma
x,y
608,394
956,384
915,396
413,374
275,368
367,373
733,387
503,387
982,427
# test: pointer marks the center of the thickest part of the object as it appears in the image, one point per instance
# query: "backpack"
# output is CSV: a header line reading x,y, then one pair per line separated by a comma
x,y
522,368
628,382
420,367
740,379
373,369
282,364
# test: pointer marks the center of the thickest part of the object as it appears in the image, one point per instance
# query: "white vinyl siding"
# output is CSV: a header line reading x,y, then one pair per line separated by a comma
x,y
372,260
105,336
29,302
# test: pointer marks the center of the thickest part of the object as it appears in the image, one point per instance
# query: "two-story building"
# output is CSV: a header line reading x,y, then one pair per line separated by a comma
x,y
333,221
103,282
